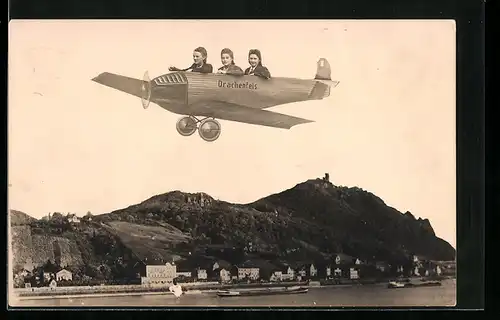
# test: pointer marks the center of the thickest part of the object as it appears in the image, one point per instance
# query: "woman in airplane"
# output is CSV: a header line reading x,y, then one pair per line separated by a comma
x,y
256,68
228,65
200,62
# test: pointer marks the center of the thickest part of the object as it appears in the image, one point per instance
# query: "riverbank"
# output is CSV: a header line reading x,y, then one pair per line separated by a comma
x,y
189,289
165,293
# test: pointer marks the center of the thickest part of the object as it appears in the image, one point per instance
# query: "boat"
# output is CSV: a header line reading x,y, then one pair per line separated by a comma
x,y
428,284
261,292
396,284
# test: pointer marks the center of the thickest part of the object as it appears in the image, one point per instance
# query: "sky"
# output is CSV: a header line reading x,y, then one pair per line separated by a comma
x,y
388,127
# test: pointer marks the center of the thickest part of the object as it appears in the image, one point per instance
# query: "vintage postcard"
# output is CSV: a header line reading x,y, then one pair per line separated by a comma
x,y
232,163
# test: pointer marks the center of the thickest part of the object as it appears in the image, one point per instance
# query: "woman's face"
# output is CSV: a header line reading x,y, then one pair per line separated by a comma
x,y
226,59
197,57
253,60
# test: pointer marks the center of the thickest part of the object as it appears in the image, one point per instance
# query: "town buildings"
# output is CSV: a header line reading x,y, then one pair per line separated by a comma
x,y
339,266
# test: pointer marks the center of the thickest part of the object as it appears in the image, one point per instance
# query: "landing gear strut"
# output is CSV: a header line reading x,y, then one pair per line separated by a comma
x,y
208,128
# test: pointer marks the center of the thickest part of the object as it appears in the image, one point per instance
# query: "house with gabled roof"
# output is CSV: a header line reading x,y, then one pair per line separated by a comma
x,y
72,218
287,273
220,270
224,275
64,274
344,259
311,270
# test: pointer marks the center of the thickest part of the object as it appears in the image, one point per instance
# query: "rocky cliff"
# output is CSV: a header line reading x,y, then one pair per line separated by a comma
x,y
33,246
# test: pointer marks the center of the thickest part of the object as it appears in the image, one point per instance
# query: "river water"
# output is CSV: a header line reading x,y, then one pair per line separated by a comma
x,y
341,296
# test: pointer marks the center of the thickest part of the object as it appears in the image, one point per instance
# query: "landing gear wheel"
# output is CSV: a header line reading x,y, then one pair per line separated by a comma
x,y
209,130
186,126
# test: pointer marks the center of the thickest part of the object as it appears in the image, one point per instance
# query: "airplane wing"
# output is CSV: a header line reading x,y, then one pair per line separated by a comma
x,y
129,85
238,113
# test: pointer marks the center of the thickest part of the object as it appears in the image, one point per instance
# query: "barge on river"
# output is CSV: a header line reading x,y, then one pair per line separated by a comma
x,y
262,292
398,285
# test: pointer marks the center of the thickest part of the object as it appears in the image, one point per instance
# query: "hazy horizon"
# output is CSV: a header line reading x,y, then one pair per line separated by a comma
x,y
388,127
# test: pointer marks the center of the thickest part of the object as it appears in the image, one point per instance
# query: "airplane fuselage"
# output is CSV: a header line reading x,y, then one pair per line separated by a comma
x,y
180,92
204,98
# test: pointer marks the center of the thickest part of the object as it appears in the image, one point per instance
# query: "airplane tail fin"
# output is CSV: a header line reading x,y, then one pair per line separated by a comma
x,y
324,73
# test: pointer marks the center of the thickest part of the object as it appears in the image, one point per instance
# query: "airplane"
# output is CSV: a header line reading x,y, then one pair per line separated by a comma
x,y
204,97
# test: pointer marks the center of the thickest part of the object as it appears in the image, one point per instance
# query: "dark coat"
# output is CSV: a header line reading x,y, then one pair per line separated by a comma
x,y
205,68
232,69
259,71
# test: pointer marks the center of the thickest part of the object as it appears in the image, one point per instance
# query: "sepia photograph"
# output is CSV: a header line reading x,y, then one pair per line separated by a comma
x,y
232,163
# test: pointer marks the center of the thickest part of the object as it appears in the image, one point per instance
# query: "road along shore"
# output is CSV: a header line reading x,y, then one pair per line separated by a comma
x,y
93,295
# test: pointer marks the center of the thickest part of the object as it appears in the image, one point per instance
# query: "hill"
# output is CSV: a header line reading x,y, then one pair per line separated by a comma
x,y
310,222
356,222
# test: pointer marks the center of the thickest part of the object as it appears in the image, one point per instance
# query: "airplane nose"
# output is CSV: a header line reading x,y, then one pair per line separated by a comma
x,y
146,91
